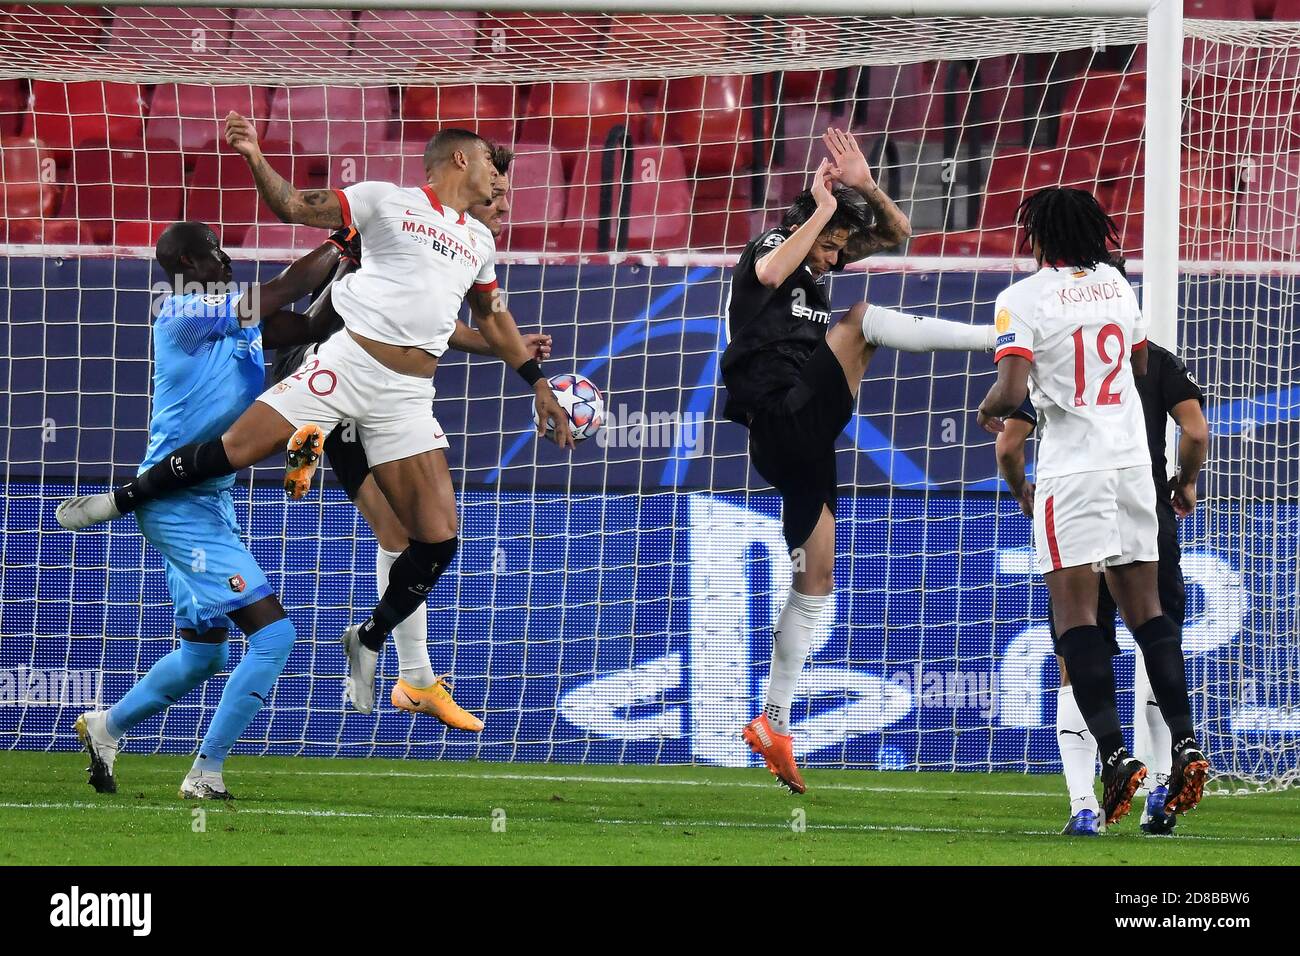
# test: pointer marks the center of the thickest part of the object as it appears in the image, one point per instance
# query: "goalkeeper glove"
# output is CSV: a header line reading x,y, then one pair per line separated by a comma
x,y
349,242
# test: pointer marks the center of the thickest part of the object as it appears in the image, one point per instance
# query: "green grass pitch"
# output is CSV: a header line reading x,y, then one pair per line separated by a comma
x,y
303,811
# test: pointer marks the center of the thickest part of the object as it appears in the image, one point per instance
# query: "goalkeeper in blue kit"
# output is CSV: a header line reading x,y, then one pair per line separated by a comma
x,y
208,368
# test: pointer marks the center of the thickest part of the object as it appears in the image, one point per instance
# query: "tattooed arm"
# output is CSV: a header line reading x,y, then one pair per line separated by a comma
x,y
310,207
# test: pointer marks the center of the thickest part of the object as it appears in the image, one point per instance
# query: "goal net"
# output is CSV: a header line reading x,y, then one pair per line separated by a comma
x,y
616,604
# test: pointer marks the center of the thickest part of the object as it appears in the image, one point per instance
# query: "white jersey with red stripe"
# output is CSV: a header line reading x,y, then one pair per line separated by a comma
x,y
1077,327
419,259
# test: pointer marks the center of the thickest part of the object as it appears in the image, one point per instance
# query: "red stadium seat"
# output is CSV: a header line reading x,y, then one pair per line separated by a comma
x,y
675,38
577,117
1105,113
408,39
1231,121
57,33
1205,210
659,213
558,40
45,232
355,163
536,221
1268,217
65,114
965,243
168,34
13,106
489,110
195,116
712,120
290,39
317,121
28,184
222,194
121,193
1281,9
1013,175
1016,174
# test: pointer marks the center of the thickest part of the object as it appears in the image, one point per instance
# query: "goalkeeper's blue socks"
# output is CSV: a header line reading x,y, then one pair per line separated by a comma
x,y
167,682
247,690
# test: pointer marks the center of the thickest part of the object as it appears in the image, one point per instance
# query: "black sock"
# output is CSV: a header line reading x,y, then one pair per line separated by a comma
x,y
412,577
1162,650
1087,661
183,468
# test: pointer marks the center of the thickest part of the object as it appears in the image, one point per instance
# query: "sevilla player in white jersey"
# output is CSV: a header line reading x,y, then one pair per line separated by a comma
x,y
421,258
1072,334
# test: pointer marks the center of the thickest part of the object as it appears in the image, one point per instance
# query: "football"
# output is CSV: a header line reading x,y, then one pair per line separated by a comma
x,y
581,401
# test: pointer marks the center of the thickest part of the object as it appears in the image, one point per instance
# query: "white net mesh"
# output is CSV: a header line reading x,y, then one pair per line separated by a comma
x,y
618,607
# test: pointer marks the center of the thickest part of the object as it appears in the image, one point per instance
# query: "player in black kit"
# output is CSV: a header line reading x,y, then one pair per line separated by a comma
x,y
1167,391
792,379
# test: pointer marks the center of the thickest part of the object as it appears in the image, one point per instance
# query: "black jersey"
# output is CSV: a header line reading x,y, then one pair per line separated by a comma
x,y
1167,383
770,332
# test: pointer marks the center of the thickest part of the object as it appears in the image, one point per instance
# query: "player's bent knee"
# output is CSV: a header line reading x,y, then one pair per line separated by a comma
x,y
1155,632
433,558
274,642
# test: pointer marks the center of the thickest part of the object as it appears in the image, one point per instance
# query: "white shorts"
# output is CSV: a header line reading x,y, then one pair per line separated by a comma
x,y
392,412
1102,518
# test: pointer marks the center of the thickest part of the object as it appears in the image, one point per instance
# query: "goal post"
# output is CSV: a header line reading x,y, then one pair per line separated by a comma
x,y
617,606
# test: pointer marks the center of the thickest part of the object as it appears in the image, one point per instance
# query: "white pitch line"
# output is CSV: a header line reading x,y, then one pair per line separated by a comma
x,y
246,809
623,781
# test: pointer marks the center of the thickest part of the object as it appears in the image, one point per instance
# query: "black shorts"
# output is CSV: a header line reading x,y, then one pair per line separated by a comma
x,y
792,443
1169,576
346,458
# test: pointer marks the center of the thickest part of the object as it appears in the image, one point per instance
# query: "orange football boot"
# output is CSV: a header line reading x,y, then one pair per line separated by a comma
x,y
301,458
436,700
777,751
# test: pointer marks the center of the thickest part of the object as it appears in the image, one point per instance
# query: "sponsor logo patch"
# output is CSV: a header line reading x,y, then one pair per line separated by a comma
x,y
236,582
1006,339
1003,321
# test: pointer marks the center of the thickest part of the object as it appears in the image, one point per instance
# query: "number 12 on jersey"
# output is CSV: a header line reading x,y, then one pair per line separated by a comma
x,y
1104,395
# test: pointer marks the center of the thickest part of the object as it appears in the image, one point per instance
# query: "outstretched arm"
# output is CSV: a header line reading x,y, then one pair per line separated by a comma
x,y
465,339
892,228
311,207
320,321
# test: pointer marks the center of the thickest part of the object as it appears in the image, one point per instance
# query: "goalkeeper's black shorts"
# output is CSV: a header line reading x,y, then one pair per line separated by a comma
x,y
344,452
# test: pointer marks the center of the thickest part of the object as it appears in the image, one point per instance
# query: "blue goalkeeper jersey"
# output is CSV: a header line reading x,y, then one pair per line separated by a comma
x,y
207,370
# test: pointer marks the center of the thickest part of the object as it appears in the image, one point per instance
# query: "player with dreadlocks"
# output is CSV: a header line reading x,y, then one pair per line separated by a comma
x,y
792,379
1063,336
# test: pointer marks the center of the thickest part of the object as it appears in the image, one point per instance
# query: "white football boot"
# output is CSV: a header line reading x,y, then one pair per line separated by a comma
x,y
204,785
92,729
86,510
362,661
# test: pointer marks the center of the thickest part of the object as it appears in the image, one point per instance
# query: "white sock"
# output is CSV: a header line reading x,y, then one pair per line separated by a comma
x,y
791,640
1078,752
412,635
1151,740
918,333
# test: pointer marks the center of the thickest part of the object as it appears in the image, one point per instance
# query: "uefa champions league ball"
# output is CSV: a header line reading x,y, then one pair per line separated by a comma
x,y
581,401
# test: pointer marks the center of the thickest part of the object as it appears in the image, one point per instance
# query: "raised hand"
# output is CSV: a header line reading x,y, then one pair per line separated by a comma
x,y
823,182
848,164
241,135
